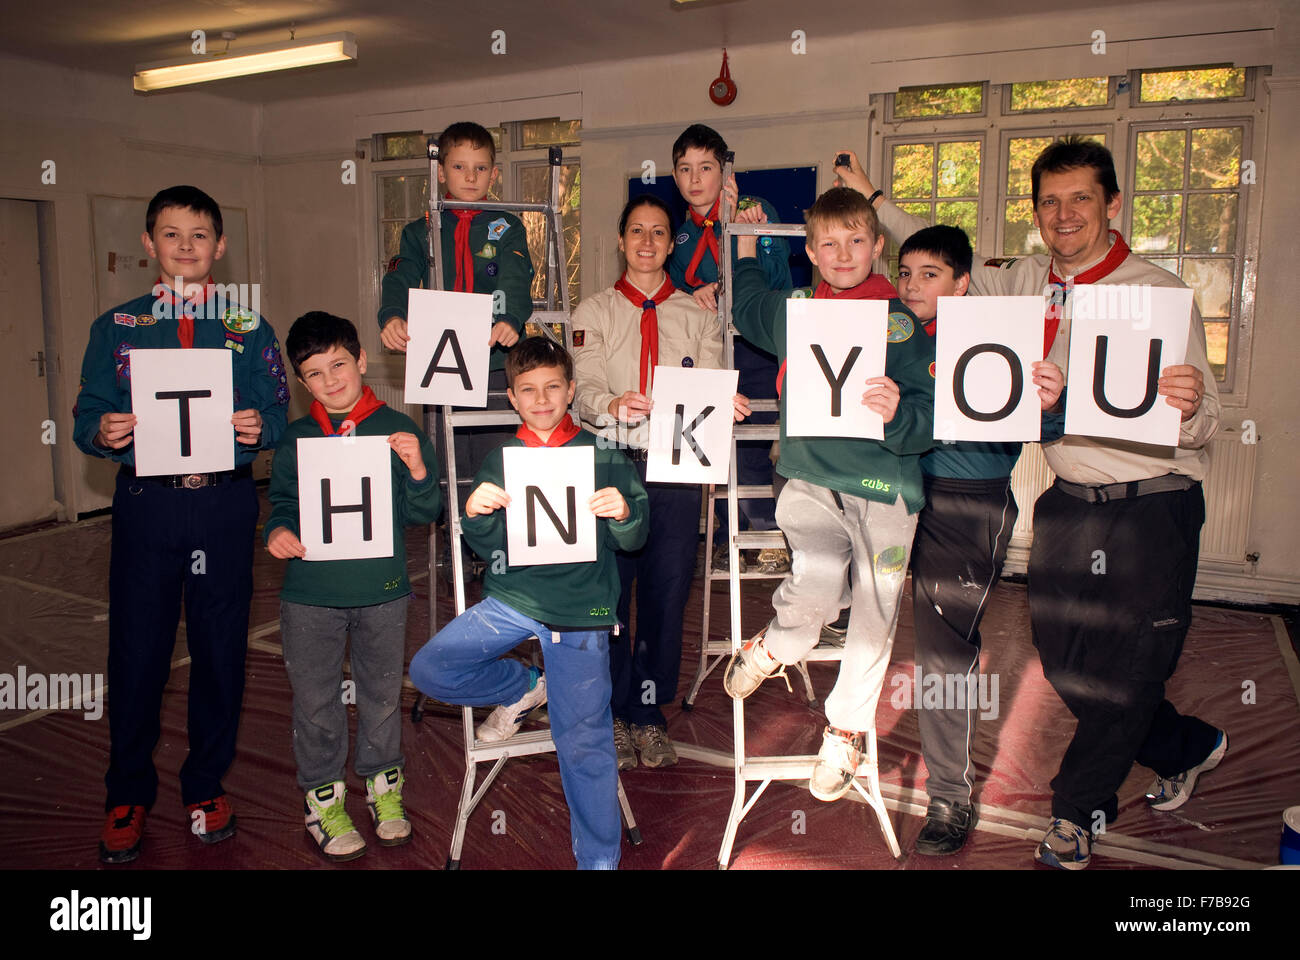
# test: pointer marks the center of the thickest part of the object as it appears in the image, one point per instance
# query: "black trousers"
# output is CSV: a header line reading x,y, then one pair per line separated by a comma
x,y
645,660
169,544
957,556
1110,601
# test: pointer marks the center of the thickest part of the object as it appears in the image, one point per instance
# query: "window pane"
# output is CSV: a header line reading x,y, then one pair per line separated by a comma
x,y
1211,83
390,240
1211,223
958,214
1160,160
550,133
913,170
959,169
1155,222
392,193
1216,347
1216,157
402,146
1212,281
1050,94
956,98
534,187
1020,161
1019,235
919,209
1169,263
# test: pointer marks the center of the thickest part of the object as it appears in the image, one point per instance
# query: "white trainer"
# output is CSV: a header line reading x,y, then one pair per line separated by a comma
x,y
504,722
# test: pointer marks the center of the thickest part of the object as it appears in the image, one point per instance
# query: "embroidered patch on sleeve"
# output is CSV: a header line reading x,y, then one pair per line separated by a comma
x,y
579,337
392,264
1001,262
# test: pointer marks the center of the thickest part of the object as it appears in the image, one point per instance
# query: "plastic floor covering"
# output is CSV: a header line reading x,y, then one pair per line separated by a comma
x,y
1237,671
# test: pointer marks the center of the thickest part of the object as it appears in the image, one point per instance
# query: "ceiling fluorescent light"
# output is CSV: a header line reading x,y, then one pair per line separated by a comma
x,y
263,59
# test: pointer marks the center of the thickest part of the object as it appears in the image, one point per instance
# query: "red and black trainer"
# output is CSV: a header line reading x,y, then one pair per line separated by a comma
x,y
212,820
123,831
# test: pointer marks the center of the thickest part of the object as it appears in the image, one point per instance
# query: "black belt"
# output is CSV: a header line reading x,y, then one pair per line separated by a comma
x,y
191,481
1100,493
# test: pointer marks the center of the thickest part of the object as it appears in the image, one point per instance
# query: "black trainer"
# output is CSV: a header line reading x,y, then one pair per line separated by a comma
x,y
946,824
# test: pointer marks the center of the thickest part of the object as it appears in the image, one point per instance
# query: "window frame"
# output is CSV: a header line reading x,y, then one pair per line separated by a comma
x,y
1232,367
1112,85
1135,87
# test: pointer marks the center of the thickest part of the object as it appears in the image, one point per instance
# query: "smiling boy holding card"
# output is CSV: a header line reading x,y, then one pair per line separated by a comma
x,y
324,602
178,534
569,606
849,502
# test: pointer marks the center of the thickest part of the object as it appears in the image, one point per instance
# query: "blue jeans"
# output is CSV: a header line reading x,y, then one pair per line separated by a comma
x,y
462,665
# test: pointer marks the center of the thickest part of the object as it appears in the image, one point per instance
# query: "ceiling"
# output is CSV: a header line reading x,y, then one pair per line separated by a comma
x,y
408,42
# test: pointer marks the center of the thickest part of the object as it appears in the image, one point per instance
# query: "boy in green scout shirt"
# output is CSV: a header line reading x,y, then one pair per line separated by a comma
x,y
571,607
324,602
848,501
182,535
483,251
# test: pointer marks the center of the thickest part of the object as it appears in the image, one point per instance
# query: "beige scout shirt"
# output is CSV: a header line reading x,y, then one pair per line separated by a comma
x,y
607,354
1096,460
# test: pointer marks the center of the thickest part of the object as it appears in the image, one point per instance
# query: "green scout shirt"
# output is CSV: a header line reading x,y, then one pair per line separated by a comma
x,y
564,596
501,262
876,469
353,583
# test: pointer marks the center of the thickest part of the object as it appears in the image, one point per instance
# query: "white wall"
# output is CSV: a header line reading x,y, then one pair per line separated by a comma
x,y
312,236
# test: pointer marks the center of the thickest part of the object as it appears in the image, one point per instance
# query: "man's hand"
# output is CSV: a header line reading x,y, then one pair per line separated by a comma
x,y
740,403
630,406
407,448
882,397
115,431
853,175
504,334
283,545
608,502
1050,381
248,426
707,296
1183,387
394,335
486,498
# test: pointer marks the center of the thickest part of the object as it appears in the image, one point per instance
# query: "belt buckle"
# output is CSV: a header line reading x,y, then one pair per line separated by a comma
x,y
192,481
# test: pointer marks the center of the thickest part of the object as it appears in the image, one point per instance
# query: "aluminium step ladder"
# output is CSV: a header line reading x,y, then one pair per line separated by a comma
x,y
526,742
765,769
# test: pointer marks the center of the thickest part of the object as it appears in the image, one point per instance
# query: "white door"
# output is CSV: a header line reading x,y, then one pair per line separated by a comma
x,y
27,493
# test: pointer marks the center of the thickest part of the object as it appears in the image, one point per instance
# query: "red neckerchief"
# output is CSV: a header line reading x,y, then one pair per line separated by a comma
x,y
463,256
564,431
708,241
184,319
875,287
649,322
1117,254
367,404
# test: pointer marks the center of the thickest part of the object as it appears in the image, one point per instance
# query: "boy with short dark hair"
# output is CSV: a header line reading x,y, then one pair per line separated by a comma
x,y
324,603
699,153
179,535
961,543
571,607
848,503
483,251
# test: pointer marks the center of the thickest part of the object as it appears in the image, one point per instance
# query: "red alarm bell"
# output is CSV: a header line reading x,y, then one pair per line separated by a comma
x,y
723,89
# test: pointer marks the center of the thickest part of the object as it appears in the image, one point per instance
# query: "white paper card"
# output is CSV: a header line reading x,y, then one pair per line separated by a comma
x,y
447,356
183,401
548,520
830,342
690,425
983,371
1136,330
345,497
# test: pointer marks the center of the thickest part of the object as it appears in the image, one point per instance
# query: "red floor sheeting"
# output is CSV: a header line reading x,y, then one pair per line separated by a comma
x,y
53,591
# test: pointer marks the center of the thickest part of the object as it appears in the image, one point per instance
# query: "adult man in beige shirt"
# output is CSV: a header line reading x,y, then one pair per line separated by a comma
x,y
1116,537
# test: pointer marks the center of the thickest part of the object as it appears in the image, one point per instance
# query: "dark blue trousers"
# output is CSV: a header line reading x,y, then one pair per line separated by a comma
x,y
644,660
171,544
